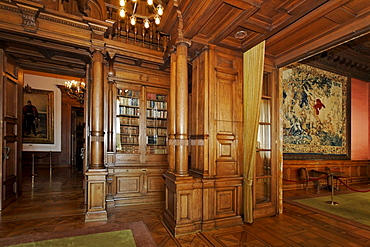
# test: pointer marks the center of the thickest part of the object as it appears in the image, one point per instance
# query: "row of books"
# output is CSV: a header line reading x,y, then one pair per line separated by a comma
x,y
156,123
128,101
125,110
128,93
129,139
156,140
129,121
156,132
156,104
129,130
127,149
156,113
153,96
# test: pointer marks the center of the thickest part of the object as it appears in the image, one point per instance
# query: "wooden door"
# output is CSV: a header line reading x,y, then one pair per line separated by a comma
x,y
10,130
265,185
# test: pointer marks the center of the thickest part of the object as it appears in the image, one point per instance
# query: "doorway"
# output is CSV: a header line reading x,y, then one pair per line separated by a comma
x,y
77,132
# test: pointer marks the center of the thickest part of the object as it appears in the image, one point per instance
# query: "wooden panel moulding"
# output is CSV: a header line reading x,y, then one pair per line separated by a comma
x,y
155,183
184,204
170,202
10,128
127,159
226,169
143,76
129,185
227,60
226,202
96,201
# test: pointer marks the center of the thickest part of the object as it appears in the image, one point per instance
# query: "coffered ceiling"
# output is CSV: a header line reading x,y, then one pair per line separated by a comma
x,y
37,54
351,58
294,30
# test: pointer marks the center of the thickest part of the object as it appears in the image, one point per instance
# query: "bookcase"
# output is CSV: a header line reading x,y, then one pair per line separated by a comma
x,y
141,144
128,119
156,123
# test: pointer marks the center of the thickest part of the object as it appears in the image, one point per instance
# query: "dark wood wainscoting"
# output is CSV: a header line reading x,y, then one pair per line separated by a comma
x,y
357,171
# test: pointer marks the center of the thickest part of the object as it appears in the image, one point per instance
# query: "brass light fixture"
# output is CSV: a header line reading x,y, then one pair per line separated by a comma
x,y
133,15
75,90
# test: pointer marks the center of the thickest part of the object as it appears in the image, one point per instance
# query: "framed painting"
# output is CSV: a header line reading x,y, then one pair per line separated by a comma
x,y
38,116
315,113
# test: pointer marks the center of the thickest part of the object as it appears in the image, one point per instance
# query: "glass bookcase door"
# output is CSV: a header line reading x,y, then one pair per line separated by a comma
x,y
128,119
156,123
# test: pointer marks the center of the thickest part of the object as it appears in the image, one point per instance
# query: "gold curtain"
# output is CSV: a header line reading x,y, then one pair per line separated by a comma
x,y
253,63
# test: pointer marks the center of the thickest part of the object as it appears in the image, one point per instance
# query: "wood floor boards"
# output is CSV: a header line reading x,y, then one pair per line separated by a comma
x,y
56,203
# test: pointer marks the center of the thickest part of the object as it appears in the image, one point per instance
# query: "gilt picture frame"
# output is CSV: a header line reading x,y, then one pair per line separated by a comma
x,y
315,113
38,116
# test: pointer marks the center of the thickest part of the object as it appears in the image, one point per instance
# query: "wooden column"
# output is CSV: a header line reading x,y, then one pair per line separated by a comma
x,y
181,150
97,112
97,173
183,191
171,116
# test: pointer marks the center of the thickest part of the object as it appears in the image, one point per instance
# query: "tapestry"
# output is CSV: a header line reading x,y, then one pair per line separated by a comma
x,y
314,111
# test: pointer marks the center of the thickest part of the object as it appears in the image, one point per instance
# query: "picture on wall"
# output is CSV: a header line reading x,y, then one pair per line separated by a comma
x,y
38,116
315,113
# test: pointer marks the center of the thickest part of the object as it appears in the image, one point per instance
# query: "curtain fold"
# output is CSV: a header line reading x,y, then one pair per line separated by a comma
x,y
253,64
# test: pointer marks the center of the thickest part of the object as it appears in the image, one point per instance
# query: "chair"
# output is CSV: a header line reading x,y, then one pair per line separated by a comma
x,y
307,177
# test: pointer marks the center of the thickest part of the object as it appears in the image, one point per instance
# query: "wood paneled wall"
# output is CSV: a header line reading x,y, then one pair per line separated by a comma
x,y
216,132
357,170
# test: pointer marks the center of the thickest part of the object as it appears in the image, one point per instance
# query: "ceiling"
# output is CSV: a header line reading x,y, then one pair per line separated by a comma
x,y
288,26
37,54
351,58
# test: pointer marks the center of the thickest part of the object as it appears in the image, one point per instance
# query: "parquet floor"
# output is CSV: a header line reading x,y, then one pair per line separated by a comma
x,y
56,203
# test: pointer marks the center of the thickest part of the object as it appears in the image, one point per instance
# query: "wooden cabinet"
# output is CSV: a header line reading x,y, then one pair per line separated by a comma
x,y
141,144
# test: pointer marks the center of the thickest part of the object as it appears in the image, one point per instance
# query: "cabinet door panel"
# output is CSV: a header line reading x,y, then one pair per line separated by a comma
x,y
155,183
131,184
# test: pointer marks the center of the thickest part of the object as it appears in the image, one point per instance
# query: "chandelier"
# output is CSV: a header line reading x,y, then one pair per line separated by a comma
x,y
133,15
75,90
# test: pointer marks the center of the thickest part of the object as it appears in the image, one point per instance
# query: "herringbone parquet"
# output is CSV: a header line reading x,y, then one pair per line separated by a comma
x,y
55,202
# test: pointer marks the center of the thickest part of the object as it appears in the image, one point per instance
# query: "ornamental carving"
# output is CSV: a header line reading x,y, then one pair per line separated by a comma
x,y
29,15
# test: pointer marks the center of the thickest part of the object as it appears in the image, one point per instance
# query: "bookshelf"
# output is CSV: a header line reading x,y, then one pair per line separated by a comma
x,y
141,144
128,119
156,123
